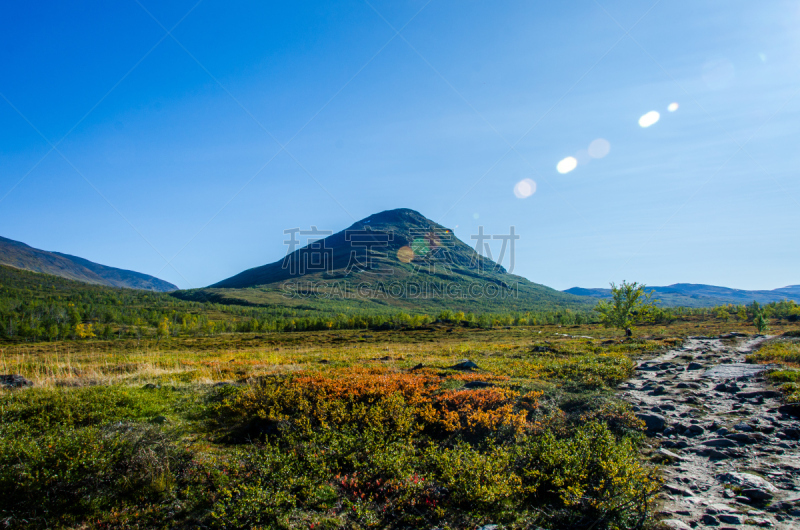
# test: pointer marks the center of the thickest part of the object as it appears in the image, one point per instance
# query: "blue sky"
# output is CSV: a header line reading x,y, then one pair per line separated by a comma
x,y
168,156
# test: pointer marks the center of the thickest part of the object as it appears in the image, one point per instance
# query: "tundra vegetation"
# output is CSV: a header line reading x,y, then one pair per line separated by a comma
x,y
379,424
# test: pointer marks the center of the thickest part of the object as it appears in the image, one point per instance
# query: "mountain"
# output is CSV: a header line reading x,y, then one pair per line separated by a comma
x,y
19,255
700,295
396,258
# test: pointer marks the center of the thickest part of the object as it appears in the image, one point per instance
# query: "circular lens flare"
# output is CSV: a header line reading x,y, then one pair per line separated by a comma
x,y
672,107
525,188
567,164
599,148
649,119
405,254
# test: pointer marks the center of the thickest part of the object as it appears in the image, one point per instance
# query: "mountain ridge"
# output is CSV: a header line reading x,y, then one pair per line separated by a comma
x,y
702,295
22,256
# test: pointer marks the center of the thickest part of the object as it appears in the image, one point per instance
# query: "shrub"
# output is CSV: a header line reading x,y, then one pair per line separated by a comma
x,y
70,473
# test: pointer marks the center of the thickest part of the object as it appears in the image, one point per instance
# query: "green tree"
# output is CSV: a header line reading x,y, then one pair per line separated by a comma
x,y
629,305
761,323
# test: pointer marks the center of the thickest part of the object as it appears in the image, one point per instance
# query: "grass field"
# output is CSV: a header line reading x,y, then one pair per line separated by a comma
x,y
333,429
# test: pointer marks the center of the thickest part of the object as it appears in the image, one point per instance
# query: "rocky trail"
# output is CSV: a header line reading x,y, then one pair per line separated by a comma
x,y
730,451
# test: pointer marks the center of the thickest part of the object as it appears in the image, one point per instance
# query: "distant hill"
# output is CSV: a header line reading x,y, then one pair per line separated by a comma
x,y
700,295
19,255
394,259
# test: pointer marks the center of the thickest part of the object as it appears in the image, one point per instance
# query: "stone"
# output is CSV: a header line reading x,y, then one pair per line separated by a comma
x,y
670,454
654,422
694,366
464,365
677,490
757,494
750,438
14,381
735,370
713,454
743,427
676,524
478,384
709,520
695,430
730,388
792,409
767,394
716,508
731,518
747,481
793,434
719,442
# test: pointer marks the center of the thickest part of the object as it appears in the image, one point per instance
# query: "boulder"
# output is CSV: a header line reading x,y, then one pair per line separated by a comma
x,y
748,481
464,365
757,494
14,381
731,518
654,422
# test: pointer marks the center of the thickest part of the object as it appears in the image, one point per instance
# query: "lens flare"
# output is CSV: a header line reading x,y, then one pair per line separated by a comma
x,y
672,107
649,119
599,148
405,254
525,188
566,165
420,246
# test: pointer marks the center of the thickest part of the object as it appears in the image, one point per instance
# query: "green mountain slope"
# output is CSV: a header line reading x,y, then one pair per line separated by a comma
x,y
19,255
393,259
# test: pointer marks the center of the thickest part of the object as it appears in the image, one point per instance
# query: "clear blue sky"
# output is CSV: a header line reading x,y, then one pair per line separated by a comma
x,y
167,145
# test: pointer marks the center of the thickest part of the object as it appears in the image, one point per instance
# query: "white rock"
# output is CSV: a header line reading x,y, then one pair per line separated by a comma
x,y
747,480
677,524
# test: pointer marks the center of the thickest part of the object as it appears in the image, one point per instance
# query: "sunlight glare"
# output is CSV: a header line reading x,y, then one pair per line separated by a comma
x,y
525,188
599,148
567,165
649,119
673,107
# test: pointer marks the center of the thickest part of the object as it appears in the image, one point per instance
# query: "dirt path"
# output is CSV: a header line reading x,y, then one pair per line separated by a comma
x,y
731,453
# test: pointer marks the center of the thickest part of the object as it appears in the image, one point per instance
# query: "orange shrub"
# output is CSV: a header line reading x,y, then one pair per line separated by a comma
x,y
398,402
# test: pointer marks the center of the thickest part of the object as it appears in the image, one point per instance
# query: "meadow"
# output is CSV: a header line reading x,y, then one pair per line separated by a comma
x,y
332,429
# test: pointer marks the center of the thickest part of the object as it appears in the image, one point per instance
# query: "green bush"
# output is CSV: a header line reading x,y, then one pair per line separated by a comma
x,y
69,474
43,408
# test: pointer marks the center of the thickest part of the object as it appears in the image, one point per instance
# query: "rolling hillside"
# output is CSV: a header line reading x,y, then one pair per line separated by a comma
x,y
22,256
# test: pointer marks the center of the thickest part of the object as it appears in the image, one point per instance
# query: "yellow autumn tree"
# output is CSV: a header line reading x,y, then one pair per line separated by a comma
x,y
84,331
163,329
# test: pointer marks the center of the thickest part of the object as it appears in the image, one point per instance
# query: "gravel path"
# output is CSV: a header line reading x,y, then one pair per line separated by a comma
x,y
730,451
